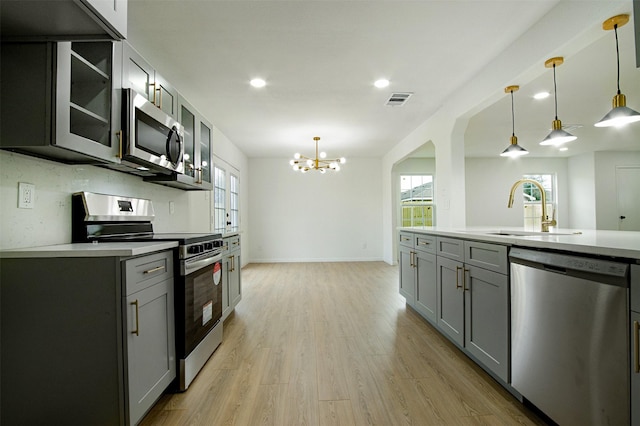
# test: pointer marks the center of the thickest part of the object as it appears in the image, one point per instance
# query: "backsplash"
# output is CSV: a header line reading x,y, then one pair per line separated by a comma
x,y
49,222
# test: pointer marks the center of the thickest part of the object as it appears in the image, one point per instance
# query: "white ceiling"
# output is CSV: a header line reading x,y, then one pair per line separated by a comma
x,y
320,59
586,84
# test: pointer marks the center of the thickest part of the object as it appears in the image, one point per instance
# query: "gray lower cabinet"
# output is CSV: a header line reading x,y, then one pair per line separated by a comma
x,y
473,302
85,340
418,273
232,288
634,355
407,275
150,361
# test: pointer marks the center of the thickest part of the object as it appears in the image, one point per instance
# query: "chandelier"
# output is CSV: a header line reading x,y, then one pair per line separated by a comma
x,y
320,162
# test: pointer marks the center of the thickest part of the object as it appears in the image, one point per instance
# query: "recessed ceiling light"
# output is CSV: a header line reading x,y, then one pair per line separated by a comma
x,y
564,149
382,83
541,95
258,82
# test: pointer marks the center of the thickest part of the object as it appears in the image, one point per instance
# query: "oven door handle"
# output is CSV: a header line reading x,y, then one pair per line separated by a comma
x,y
196,265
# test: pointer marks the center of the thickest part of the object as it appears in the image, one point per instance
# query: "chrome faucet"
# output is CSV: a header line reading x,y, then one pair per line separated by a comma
x,y
546,223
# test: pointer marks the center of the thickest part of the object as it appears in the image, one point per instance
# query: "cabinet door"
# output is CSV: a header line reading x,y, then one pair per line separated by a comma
x,y
113,14
487,318
205,160
235,291
166,97
84,99
137,74
407,275
450,299
226,300
187,117
150,361
635,368
426,285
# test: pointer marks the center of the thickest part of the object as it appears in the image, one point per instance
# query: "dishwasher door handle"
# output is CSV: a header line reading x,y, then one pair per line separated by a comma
x,y
636,346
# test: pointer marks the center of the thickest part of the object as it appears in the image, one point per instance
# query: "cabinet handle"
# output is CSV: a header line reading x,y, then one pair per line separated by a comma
x,y
232,263
120,144
153,101
152,270
464,279
458,268
159,89
423,243
636,346
137,330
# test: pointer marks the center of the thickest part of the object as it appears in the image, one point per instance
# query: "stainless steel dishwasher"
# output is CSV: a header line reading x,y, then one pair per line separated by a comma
x,y
569,336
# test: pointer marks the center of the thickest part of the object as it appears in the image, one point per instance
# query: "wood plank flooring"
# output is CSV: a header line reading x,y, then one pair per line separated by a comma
x,y
334,344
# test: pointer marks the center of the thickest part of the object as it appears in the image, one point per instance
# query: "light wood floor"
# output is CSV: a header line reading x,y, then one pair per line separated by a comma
x,y
333,344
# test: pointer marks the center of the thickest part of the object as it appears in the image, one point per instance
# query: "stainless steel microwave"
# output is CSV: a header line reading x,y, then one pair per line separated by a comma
x,y
152,139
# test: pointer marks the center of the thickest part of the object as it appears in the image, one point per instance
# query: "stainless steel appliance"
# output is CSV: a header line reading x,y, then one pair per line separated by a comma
x,y
198,280
569,333
152,139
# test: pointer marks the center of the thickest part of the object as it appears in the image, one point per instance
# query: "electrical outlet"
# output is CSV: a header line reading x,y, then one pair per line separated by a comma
x,y
26,195
172,207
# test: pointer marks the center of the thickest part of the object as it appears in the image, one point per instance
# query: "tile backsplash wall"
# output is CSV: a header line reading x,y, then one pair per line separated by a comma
x,y
49,221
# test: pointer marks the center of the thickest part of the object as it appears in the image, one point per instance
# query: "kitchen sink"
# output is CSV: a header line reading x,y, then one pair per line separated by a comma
x,y
529,233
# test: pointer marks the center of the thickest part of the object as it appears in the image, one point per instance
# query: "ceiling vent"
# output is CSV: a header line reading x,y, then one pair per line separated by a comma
x,y
398,99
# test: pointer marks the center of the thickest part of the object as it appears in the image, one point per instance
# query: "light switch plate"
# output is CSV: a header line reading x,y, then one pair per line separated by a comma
x,y
26,195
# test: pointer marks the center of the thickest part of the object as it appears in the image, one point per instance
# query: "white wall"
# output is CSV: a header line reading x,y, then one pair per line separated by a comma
x,y
49,222
582,191
313,217
605,184
489,180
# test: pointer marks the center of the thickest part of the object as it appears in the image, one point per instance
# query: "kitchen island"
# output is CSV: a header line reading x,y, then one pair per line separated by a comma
x,y
563,303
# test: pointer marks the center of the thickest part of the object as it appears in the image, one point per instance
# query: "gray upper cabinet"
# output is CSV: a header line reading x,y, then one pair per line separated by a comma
x,y
63,19
197,152
59,100
139,75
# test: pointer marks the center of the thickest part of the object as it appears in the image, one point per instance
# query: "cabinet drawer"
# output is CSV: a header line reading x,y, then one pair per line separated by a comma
x,y
426,243
451,248
487,256
146,271
406,239
232,243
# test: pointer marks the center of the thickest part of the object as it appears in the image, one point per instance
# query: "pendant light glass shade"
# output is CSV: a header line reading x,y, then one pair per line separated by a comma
x,y
620,114
513,150
558,136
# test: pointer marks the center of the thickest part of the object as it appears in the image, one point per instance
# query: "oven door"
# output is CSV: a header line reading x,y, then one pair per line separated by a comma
x,y
199,303
153,138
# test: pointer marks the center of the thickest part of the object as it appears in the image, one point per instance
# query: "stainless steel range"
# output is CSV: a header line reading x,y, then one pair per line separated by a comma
x,y
198,280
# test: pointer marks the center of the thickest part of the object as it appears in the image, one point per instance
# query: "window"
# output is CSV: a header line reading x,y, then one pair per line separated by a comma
x,y
219,200
226,198
533,199
416,200
234,199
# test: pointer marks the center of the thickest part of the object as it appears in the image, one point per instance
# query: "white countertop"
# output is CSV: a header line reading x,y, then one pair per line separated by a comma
x,y
605,243
123,249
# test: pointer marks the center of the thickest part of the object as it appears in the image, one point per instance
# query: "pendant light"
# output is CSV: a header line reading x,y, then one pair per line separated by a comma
x,y
558,135
620,114
513,150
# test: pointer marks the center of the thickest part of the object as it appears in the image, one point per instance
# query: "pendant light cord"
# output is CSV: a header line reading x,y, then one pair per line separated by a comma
x,y
513,120
555,90
615,30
